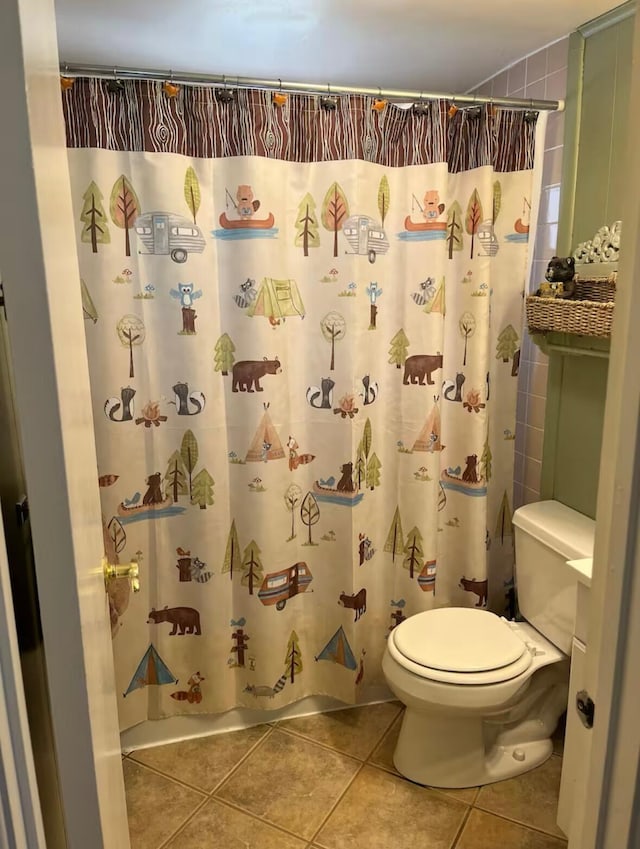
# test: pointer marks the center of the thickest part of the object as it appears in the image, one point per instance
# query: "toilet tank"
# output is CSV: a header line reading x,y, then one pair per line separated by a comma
x,y
547,534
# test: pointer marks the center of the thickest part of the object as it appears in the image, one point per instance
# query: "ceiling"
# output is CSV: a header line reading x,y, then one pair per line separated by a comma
x,y
436,45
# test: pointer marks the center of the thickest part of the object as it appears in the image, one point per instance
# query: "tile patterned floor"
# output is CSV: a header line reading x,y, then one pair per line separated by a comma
x,y
325,782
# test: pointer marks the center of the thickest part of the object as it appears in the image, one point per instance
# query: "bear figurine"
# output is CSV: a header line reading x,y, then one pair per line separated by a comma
x,y
560,276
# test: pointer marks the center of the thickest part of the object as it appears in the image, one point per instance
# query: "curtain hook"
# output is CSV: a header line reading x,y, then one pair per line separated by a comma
x,y
115,85
66,82
378,103
170,88
279,98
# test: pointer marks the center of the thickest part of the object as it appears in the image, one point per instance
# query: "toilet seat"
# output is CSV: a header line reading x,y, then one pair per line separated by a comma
x,y
460,646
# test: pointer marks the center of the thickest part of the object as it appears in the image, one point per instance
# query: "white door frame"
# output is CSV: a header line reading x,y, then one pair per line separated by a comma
x,y
604,801
38,257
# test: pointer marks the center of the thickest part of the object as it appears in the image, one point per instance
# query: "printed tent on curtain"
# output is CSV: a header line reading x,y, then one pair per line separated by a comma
x,y
304,331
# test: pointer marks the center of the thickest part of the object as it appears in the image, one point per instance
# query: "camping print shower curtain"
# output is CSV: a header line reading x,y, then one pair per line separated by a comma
x,y
303,329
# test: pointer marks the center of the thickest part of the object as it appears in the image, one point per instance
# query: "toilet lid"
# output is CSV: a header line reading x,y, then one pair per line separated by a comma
x,y
457,639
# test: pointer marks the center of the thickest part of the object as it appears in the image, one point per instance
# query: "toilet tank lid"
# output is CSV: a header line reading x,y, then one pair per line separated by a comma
x,y
564,530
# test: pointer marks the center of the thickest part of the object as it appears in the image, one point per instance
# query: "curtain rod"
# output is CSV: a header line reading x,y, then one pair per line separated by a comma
x,y
188,78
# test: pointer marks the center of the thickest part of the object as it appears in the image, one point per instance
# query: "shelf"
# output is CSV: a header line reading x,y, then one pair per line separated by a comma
x,y
569,344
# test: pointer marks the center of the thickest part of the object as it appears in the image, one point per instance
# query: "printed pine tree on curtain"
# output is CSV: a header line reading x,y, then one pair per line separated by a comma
x,y
381,457
413,552
223,355
232,557
395,539
293,658
307,235
175,477
189,453
454,238
252,565
94,218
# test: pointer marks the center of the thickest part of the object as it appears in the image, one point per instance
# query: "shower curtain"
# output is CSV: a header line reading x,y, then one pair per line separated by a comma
x,y
304,335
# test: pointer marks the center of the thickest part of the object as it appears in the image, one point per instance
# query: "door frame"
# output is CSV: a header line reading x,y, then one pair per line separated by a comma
x,y
604,813
38,256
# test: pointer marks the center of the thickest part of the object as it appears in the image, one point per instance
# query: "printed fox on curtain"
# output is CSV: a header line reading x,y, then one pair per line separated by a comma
x,y
304,352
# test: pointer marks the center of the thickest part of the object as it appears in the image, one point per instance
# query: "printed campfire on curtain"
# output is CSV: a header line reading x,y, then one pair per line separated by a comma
x,y
303,331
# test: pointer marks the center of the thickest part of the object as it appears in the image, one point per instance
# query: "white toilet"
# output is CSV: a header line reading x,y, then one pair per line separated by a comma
x,y
483,695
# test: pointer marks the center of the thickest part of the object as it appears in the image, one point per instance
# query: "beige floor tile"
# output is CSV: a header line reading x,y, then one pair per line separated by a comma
x,y
290,782
383,753
156,806
203,762
531,799
355,731
383,756
217,826
484,831
381,811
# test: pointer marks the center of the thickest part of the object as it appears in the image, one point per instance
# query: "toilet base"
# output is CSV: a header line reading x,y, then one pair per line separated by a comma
x,y
466,764
450,749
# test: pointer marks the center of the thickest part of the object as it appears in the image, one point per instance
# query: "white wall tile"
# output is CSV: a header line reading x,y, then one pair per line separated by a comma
x,y
535,90
536,66
554,136
552,166
558,55
516,76
556,85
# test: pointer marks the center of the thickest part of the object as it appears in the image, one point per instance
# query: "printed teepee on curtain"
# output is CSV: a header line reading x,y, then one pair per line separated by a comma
x,y
304,331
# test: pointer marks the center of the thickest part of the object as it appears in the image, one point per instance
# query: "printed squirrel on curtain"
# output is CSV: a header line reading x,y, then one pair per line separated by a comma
x,y
349,460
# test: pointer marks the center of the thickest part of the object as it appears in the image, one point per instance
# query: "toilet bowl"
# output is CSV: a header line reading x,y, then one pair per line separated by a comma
x,y
483,695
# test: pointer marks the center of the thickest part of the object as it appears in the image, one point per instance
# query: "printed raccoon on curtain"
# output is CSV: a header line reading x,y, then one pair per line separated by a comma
x,y
304,344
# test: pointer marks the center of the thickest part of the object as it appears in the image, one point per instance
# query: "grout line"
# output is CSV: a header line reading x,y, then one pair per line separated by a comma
x,y
462,827
325,746
195,787
235,807
183,824
170,778
396,718
360,759
521,823
237,766
336,803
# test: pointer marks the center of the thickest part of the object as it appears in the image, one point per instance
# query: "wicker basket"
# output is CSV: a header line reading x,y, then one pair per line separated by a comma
x,y
590,314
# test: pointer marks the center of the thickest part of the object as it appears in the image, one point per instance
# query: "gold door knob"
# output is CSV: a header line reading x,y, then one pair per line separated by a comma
x,y
123,570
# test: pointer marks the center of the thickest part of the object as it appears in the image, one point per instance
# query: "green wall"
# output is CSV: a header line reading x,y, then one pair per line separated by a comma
x,y
593,187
